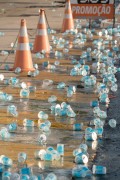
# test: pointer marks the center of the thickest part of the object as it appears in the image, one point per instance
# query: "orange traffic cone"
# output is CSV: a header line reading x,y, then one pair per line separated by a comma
x,y
68,22
23,57
41,40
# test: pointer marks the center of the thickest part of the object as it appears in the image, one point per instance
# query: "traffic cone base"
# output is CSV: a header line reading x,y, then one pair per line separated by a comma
x,y
25,65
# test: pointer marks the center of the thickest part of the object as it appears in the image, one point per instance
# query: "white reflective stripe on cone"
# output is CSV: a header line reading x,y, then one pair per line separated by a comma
x,y
23,31
42,20
41,32
67,6
23,46
68,16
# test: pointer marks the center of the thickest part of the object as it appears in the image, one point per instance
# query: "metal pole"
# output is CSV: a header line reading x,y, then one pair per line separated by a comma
x,y
114,16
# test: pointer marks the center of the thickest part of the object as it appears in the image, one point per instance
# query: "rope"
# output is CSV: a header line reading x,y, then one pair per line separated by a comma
x,y
33,33
47,21
36,28
10,51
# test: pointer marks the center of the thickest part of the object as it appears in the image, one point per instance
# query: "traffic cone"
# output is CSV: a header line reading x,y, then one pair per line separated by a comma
x,y
68,22
41,40
23,58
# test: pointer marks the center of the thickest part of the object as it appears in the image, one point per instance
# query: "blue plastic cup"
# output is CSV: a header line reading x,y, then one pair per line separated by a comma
x,y
33,177
112,123
42,115
24,93
81,158
1,167
24,177
61,85
6,175
15,176
26,171
91,136
94,103
77,127
17,70
51,176
78,172
48,157
28,123
99,131
7,161
12,127
99,170
83,147
60,149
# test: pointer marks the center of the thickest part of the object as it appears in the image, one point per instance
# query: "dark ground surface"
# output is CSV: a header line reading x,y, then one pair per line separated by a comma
x,y
108,153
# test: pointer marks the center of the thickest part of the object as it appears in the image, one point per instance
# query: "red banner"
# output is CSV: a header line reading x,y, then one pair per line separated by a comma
x,y
105,11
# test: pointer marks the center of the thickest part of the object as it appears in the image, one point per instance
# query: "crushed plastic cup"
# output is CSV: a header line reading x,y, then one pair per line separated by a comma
x,y
12,127
83,147
51,176
13,81
15,176
24,177
56,155
33,177
24,93
99,131
52,99
3,53
17,70
112,123
28,123
35,66
6,175
77,151
11,108
78,127
6,67
39,154
57,63
69,93
47,82
42,139
32,89
23,85
22,157
42,115
4,133
61,85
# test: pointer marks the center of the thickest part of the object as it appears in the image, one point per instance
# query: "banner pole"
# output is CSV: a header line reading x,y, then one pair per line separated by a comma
x,y
114,16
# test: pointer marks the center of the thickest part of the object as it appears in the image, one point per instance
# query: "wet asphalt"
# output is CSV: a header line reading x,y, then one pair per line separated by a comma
x,y
108,152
